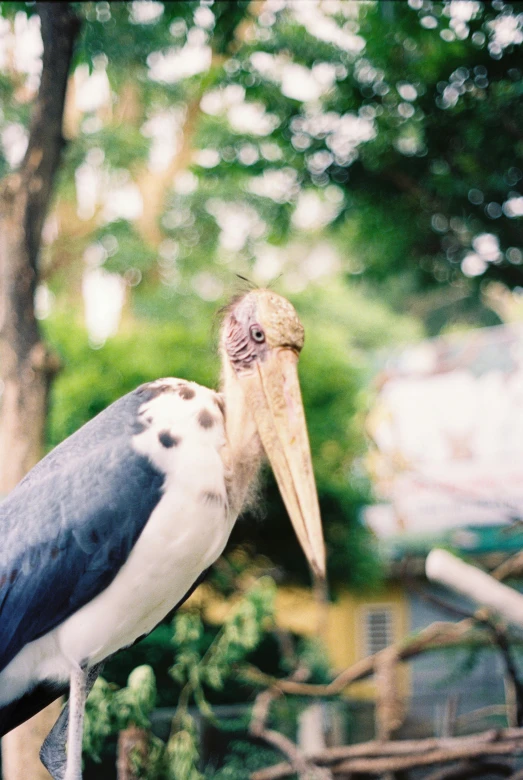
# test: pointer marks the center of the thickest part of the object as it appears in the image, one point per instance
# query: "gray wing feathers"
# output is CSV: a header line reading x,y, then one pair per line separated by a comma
x,y
71,523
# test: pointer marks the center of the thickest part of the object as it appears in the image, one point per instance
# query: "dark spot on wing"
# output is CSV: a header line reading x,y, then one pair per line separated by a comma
x,y
146,393
186,392
166,439
151,390
3,580
95,536
220,402
141,423
13,576
210,497
205,419
138,426
54,553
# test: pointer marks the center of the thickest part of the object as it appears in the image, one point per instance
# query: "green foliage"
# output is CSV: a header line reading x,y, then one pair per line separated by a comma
x,y
442,154
110,710
136,702
239,635
311,653
437,100
99,719
124,146
182,752
91,379
127,253
243,758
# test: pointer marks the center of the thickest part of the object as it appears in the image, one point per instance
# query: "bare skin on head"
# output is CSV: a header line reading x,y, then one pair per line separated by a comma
x,y
260,342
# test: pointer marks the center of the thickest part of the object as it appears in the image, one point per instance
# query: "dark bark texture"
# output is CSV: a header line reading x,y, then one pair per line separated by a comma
x,y
26,365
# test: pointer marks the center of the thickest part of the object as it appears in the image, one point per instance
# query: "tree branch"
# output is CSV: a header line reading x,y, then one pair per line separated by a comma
x,y
377,766
475,584
377,757
512,566
499,637
298,762
436,636
463,578
381,756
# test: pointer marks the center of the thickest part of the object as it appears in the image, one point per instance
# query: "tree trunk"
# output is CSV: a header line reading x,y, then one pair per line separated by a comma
x,y
26,365
133,747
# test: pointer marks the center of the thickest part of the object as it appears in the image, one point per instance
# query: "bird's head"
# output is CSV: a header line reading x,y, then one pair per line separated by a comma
x,y
261,339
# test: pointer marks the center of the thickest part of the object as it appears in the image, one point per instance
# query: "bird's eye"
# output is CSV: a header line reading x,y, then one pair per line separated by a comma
x,y
257,334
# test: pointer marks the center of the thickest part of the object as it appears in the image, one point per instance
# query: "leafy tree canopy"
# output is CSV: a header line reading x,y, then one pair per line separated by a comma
x,y
395,126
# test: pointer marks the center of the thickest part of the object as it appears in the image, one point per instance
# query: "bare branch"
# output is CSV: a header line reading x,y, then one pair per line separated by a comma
x,y
483,588
377,757
378,766
445,568
390,709
299,763
380,757
260,711
436,636
512,566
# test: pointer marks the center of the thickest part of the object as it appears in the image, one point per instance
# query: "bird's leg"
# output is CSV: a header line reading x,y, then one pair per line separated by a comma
x,y
77,697
53,753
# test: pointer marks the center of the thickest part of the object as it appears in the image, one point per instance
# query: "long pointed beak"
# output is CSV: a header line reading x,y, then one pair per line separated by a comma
x,y
274,394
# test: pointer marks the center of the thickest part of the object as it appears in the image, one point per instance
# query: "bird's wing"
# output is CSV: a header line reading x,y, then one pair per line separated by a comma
x,y
20,710
71,523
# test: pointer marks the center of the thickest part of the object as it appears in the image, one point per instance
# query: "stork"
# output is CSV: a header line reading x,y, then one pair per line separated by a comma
x,y
118,524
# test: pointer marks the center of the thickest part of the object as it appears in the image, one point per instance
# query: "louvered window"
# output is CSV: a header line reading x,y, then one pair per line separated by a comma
x,y
378,628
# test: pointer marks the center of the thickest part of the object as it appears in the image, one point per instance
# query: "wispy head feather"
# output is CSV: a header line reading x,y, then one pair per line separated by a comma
x,y
250,285
243,288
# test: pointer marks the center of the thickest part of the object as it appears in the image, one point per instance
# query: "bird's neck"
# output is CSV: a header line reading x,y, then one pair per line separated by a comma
x,y
244,452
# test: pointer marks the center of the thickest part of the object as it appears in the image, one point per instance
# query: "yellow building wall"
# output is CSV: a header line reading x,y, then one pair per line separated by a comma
x,y
342,627
344,633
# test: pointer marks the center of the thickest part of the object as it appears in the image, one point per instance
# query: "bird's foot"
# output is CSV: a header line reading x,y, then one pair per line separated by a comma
x,y
53,753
